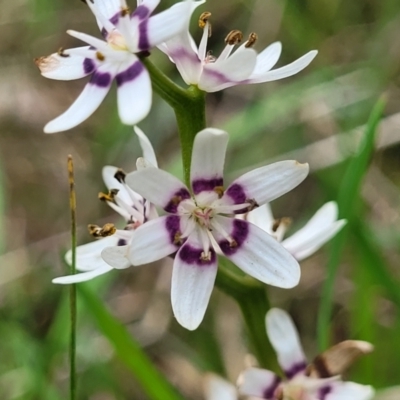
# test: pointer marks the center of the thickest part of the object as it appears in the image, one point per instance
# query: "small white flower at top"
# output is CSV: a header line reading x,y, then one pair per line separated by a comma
x,y
201,223
199,67
110,250
307,240
114,58
319,380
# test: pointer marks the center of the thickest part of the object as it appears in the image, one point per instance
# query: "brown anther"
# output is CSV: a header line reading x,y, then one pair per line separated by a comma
x,y
120,175
234,37
61,53
125,11
110,196
100,56
101,232
176,200
252,204
281,221
219,190
177,239
251,40
205,257
204,17
233,243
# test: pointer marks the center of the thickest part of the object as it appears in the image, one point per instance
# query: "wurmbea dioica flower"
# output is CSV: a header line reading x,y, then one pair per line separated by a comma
x,y
198,67
110,251
201,223
307,240
319,380
126,34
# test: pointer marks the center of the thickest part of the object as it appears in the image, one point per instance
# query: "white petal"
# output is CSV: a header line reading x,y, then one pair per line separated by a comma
x,y
258,254
84,276
107,8
87,102
262,217
284,338
267,58
216,388
154,240
265,184
258,382
67,67
159,187
88,256
286,71
208,159
134,91
116,256
192,282
349,391
229,72
147,148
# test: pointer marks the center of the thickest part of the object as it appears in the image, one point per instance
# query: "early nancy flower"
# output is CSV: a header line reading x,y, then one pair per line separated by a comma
x,y
320,380
201,223
306,241
199,67
93,258
125,34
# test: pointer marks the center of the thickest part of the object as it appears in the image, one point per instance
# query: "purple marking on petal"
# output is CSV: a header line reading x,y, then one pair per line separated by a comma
x,y
295,369
115,18
323,392
144,43
201,185
88,65
141,12
101,79
182,53
218,76
176,198
173,225
129,74
104,33
239,234
269,391
191,255
236,193
122,242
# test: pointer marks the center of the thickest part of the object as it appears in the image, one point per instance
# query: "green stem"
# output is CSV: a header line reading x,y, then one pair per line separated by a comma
x,y
72,288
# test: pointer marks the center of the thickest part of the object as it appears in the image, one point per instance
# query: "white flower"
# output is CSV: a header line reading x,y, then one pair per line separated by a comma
x,y
101,256
198,67
307,240
125,35
202,223
318,381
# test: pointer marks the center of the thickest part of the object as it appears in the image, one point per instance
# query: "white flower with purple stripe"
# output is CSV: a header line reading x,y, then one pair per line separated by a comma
x,y
114,58
306,241
103,255
314,382
201,223
198,67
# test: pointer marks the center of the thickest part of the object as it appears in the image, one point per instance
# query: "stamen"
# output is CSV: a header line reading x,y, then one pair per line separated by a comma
x,y
219,190
204,17
120,175
100,56
281,221
101,232
234,37
125,11
252,204
110,196
61,53
178,239
251,40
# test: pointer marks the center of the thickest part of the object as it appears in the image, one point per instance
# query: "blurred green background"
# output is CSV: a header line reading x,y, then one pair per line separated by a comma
x,y
315,116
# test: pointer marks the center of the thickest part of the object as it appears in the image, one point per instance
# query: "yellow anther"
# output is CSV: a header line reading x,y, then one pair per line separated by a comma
x,y
125,11
204,17
100,56
101,232
110,196
234,37
251,40
219,190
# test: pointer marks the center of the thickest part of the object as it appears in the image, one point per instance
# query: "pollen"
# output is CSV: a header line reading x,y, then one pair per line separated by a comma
x,y
204,17
100,56
101,232
125,11
219,190
251,40
234,37
110,196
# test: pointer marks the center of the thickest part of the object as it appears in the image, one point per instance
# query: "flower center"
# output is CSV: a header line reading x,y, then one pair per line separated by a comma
x,y
203,216
291,392
117,41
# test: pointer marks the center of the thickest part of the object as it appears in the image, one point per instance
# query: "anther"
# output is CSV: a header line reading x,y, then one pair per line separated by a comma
x,y
234,37
177,239
205,257
101,232
125,11
281,221
176,200
204,17
61,53
233,243
100,56
120,175
252,204
110,196
251,40
219,190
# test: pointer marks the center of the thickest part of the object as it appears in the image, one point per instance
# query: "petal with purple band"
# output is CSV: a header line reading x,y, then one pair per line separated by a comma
x,y
285,340
348,391
84,276
134,91
262,217
159,187
208,159
116,256
265,184
192,282
257,253
87,102
258,382
154,240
